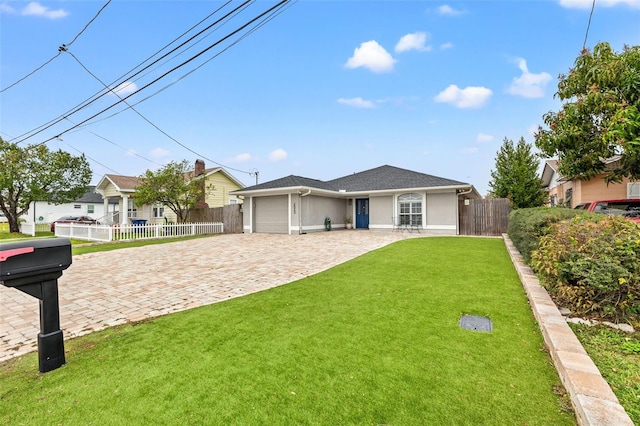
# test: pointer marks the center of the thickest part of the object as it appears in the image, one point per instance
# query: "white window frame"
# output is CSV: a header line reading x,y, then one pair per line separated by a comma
x,y
633,190
410,209
158,211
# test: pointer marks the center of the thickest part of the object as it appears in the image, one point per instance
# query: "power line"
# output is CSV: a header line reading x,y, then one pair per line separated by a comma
x,y
584,44
92,159
124,78
282,2
153,124
119,146
59,51
204,63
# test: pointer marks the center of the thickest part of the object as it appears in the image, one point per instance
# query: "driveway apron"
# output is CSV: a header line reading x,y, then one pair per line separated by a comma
x,y
104,289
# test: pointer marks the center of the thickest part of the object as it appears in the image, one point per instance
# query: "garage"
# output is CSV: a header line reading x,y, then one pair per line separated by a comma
x,y
270,214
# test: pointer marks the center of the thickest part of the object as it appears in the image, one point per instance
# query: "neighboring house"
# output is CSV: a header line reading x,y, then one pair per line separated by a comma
x,y
218,185
90,204
572,192
382,198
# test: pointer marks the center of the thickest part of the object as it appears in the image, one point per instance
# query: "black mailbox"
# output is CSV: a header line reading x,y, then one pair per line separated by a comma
x,y
34,267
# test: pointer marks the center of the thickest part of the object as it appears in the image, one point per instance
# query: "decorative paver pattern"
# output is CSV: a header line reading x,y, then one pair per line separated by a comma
x,y
108,288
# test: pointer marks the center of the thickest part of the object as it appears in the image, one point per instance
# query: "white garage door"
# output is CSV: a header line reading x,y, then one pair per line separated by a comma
x,y
271,214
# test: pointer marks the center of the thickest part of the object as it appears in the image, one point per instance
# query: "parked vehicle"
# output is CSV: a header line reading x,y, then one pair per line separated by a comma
x,y
84,220
628,208
3,218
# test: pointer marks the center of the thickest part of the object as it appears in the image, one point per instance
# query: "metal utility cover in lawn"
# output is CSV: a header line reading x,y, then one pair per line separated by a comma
x,y
475,323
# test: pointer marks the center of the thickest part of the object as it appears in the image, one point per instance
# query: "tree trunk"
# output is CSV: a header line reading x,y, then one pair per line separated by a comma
x,y
14,225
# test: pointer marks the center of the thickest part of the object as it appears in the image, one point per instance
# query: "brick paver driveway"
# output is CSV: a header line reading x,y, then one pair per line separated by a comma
x,y
103,289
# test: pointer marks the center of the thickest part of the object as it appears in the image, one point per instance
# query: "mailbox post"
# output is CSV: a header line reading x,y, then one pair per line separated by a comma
x,y
34,267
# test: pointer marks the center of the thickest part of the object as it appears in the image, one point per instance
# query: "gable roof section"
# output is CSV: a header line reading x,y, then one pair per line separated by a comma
x,y
383,178
214,170
122,183
550,166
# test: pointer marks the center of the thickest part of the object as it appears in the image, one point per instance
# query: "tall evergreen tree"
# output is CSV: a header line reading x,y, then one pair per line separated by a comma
x,y
516,175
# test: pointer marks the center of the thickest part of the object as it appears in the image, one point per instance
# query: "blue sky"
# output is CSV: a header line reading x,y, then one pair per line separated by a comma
x,y
325,89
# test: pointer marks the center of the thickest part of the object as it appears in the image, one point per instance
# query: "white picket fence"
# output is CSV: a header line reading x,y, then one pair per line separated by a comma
x,y
135,232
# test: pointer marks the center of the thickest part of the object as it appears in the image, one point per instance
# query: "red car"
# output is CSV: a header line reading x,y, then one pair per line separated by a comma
x,y
80,220
628,208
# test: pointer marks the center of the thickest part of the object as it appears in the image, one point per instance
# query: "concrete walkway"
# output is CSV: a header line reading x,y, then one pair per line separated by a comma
x,y
100,290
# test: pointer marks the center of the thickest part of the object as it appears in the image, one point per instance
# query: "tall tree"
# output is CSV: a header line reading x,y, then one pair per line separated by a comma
x,y
34,173
599,118
516,175
172,186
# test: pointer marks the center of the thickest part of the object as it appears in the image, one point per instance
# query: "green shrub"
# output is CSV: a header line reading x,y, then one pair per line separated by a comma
x,y
593,268
526,226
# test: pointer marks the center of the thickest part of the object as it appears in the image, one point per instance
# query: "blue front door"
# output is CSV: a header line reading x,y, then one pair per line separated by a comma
x,y
362,213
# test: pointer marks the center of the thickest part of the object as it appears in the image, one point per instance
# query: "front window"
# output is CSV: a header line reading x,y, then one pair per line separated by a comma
x,y
90,208
158,211
410,209
132,210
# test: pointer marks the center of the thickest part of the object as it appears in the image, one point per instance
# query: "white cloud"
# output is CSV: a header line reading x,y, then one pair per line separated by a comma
x,y
372,56
447,10
528,84
5,8
445,46
159,152
36,9
125,89
484,138
413,41
469,97
242,158
587,4
356,102
278,155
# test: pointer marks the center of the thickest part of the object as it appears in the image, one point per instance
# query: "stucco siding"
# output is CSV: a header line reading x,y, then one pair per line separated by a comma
x,y
381,212
441,210
597,189
316,209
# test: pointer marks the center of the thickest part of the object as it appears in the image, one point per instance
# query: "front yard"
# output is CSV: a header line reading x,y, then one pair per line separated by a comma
x,y
373,341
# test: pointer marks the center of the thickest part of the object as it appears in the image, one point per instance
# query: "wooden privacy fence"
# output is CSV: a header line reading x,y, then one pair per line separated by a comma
x,y
488,217
230,215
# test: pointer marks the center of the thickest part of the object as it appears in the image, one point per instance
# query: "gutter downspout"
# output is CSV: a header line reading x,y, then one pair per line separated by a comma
x,y
458,208
300,232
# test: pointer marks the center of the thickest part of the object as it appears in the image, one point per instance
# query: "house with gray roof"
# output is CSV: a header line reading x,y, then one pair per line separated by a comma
x,y
383,198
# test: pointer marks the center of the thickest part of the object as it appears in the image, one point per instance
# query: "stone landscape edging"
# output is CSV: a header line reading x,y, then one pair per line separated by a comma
x,y
594,402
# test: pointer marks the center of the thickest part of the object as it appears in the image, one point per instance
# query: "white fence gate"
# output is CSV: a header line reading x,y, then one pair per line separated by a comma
x,y
135,232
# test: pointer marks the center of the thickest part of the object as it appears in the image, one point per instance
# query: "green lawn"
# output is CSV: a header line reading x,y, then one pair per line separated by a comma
x,y
617,356
374,341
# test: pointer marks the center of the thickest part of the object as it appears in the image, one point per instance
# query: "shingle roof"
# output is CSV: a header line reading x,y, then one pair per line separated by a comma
x,y
380,178
291,181
389,177
93,197
124,182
